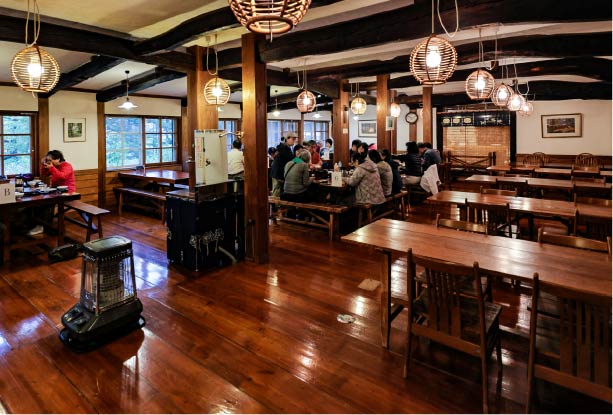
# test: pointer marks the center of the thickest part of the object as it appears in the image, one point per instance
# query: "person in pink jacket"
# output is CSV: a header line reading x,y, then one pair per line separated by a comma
x,y
61,172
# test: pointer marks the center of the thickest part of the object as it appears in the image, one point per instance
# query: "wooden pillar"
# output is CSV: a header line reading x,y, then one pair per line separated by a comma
x,y
394,133
101,154
200,115
384,138
254,144
184,135
427,116
43,132
340,125
413,129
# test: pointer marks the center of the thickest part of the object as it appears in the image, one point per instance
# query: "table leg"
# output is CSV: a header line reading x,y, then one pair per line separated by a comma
x,y
60,223
6,248
386,298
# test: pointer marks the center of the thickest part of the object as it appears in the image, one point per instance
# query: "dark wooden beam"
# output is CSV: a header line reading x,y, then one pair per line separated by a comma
x,y
95,66
140,82
414,22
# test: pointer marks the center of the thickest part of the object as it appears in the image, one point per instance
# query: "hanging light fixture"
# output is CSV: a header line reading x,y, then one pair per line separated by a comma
x,y
317,114
526,109
276,111
395,110
515,102
306,101
216,91
127,104
434,59
501,95
358,104
271,17
33,68
480,83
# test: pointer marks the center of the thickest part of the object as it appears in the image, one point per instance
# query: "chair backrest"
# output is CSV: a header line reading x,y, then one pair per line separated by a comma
x,y
587,160
444,173
544,157
500,192
521,188
584,340
593,201
444,281
533,160
574,241
460,225
516,175
495,217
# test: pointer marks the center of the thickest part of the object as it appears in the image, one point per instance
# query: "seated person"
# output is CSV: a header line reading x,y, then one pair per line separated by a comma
x,y
315,158
385,172
354,147
236,160
412,164
363,148
429,155
297,186
366,181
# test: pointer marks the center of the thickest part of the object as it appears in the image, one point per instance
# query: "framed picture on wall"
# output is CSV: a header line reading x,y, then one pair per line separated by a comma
x,y
389,123
561,125
367,128
74,130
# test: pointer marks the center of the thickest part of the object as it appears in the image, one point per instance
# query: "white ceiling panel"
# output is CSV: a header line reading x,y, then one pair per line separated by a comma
x,y
115,75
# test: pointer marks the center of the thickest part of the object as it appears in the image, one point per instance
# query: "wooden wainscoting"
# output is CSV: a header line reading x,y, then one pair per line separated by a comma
x,y
87,185
566,158
112,180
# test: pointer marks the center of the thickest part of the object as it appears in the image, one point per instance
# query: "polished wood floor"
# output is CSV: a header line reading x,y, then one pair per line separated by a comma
x,y
246,339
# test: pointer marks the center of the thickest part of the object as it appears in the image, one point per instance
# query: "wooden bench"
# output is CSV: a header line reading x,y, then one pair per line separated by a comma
x,y
158,200
315,210
87,213
396,203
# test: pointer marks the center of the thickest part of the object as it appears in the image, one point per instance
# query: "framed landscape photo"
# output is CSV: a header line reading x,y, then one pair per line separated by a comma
x,y
367,128
74,130
561,125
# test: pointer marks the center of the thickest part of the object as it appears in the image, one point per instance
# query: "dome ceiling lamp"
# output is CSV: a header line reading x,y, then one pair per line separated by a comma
x,y
216,90
434,59
306,100
395,110
33,69
269,17
276,111
358,104
480,83
127,104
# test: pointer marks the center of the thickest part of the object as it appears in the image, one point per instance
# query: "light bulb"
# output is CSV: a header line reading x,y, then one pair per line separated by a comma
x,y
306,101
358,105
395,110
433,57
216,91
515,102
317,115
276,112
502,94
480,84
35,69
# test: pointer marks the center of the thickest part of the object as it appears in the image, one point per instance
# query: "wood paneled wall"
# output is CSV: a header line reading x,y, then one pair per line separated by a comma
x,y
567,158
87,185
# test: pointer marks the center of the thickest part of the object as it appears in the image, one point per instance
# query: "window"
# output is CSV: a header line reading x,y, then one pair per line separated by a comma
x,y
276,128
230,126
16,154
132,139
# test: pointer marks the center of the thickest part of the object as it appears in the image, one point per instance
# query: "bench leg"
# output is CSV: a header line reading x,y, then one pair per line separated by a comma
x,y
120,202
163,207
331,225
403,208
90,222
100,227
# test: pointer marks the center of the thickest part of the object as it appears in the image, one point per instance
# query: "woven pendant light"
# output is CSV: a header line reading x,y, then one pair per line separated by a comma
x,y
217,91
501,95
526,109
358,106
395,110
515,102
33,68
269,16
306,101
479,85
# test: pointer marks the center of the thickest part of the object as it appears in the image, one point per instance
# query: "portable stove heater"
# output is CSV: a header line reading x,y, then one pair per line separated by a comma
x,y
108,306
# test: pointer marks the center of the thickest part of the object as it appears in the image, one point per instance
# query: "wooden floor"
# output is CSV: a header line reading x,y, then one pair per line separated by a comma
x,y
246,339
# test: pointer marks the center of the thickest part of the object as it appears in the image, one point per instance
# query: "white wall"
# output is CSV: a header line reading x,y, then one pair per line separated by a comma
x,y
294,114
16,99
146,106
62,105
231,111
596,138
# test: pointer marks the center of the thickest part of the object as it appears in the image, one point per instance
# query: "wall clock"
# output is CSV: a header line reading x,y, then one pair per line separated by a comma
x,y
411,117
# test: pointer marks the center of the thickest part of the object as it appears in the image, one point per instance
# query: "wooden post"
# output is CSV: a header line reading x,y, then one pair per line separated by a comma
x,y
254,144
384,138
427,116
200,115
184,135
394,133
340,125
43,132
101,155
413,129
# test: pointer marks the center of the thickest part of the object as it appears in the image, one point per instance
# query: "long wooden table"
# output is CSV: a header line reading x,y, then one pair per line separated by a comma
x,y
172,177
32,199
537,182
588,272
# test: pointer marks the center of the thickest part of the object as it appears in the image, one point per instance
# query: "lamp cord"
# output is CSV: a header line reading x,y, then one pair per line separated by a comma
x,y
216,59
36,22
438,12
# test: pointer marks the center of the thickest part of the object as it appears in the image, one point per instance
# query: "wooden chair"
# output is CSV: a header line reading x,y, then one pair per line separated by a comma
x,y
593,201
500,192
521,188
469,325
588,179
577,353
574,241
444,174
586,160
599,190
589,227
533,160
496,217
544,157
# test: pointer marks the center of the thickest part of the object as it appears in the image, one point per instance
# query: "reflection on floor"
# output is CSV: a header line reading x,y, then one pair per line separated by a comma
x,y
246,339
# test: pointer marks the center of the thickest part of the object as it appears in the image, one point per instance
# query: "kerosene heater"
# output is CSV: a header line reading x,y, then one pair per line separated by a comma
x,y
108,306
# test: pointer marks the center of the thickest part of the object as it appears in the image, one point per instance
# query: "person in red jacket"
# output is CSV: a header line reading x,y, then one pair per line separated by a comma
x,y
61,172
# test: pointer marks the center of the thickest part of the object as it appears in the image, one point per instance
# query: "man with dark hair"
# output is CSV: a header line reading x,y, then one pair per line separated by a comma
x,y
284,155
429,155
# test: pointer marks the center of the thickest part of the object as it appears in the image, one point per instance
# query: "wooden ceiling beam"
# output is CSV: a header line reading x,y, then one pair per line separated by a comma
x,y
414,22
95,66
139,83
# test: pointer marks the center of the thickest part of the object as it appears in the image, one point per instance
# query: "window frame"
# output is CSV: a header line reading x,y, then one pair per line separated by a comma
x,y
34,144
143,118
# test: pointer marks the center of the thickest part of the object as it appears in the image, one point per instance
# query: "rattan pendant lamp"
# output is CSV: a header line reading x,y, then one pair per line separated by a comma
x,y
502,92
480,83
306,100
33,68
358,104
216,91
269,17
434,59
